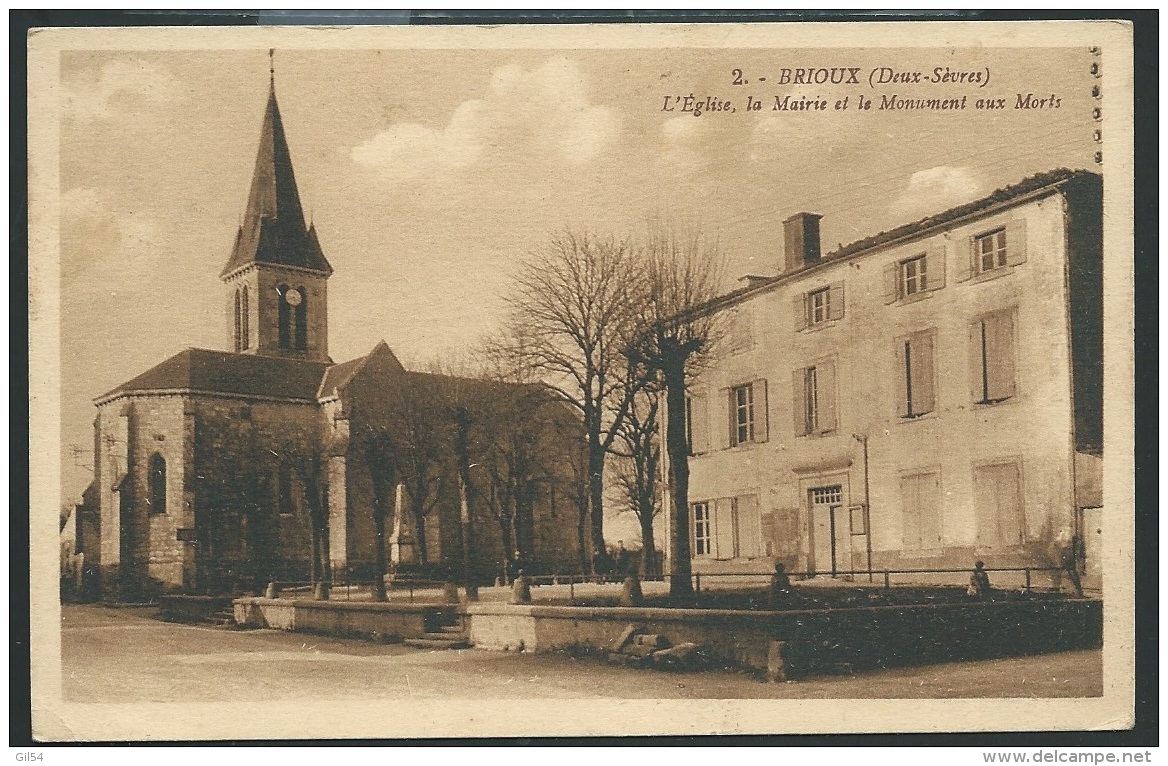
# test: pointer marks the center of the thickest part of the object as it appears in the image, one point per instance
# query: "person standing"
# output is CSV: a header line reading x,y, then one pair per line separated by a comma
x,y
1063,554
979,582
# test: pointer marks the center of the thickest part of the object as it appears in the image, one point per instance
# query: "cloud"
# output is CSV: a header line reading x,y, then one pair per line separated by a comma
x,y
92,233
526,117
683,145
935,189
120,88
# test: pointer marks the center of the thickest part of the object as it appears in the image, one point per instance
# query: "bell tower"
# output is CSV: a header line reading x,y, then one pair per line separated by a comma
x,y
277,276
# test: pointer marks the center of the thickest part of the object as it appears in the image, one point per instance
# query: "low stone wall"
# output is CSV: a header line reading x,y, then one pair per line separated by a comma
x,y
740,637
191,608
342,618
814,641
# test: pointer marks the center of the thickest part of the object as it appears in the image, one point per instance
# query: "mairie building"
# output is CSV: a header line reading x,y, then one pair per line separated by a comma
x,y
216,471
917,400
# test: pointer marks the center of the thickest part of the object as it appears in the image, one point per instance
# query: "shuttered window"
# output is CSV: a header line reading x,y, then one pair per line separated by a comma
x,y
998,505
915,374
993,251
814,401
991,340
920,498
820,306
728,528
910,278
747,407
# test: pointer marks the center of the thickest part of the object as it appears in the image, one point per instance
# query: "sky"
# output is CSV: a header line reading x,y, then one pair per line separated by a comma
x,y
429,174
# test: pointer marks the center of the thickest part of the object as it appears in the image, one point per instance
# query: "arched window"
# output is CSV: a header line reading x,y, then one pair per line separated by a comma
x,y
287,505
244,322
157,495
302,320
238,323
284,317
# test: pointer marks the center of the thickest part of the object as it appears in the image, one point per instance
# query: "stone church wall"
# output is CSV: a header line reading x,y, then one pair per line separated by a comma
x,y
240,447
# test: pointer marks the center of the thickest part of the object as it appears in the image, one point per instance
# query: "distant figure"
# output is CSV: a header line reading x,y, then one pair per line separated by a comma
x,y
979,582
622,558
780,585
1064,552
517,564
1062,555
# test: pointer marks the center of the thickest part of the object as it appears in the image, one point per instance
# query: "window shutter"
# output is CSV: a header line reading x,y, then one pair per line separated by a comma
x,y
731,418
1011,523
901,378
910,512
985,498
929,506
723,531
800,306
890,291
699,409
963,269
826,395
976,392
749,526
836,305
1016,242
762,415
935,268
1000,355
924,398
799,400
693,530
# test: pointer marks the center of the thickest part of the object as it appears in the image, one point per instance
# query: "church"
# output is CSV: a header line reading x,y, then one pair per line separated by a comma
x,y
219,471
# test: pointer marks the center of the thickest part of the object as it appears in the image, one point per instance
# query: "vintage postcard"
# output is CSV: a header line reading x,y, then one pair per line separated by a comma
x,y
581,380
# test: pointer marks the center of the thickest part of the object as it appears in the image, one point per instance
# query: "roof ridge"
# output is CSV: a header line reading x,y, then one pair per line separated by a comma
x,y
348,376
1003,195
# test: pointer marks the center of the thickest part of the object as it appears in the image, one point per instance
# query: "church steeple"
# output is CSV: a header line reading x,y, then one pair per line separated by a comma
x,y
273,228
277,272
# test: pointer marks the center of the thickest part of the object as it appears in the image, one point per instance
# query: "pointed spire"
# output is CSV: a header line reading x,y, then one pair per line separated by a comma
x,y
273,226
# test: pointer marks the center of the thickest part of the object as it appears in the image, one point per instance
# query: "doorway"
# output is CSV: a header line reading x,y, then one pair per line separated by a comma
x,y
830,534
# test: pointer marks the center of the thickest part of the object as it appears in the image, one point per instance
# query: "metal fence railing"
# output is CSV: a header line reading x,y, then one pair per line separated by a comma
x,y
410,587
700,582
883,576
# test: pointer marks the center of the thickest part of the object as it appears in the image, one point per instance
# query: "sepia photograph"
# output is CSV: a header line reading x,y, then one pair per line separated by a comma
x,y
581,380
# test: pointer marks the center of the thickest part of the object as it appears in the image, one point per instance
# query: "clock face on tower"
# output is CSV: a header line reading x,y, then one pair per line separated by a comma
x,y
293,297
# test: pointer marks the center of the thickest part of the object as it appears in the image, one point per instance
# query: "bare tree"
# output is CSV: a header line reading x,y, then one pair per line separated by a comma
x,y
639,449
377,448
455,396
680,329
310,467
420,429
574,307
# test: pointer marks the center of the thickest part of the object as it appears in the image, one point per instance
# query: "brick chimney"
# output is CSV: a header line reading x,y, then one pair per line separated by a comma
x,y
801,241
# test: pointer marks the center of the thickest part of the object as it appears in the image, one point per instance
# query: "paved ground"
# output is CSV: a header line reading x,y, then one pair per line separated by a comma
x,y
125,655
